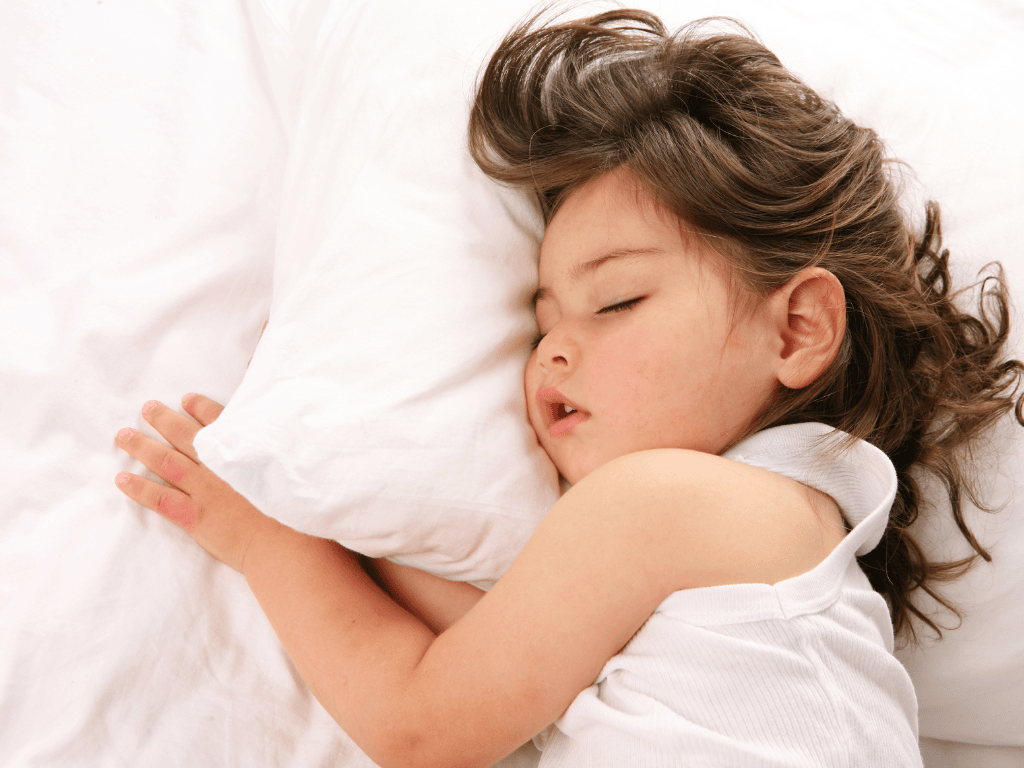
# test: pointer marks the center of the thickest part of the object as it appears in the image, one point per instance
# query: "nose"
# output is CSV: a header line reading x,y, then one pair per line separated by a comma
x,y
557,351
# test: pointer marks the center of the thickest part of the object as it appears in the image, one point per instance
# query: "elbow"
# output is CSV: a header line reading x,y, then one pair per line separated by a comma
x,y
407,747
406,758
418,725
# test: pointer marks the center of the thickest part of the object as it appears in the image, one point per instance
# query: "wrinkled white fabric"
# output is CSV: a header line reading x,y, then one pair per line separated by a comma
x,y
140,170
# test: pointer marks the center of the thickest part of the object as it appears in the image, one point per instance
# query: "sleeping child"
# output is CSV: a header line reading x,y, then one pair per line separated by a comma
x,y
743,354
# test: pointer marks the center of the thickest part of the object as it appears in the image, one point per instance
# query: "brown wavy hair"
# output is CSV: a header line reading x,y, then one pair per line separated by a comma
x,y
775,179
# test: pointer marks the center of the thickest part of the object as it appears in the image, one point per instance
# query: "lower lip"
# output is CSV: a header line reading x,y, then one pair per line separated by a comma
x,y
563,427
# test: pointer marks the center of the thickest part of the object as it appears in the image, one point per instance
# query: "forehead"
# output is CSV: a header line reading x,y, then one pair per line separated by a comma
x,y
611,218
605,211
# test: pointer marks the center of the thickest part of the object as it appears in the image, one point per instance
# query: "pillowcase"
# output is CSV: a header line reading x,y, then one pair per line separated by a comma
x,y
384,405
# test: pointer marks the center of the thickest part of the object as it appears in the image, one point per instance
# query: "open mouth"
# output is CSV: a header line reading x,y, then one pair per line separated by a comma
x,y
560,410
561,414
566,421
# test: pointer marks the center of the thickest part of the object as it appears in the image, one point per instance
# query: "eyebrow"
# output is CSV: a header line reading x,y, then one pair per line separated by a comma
x,y
580,271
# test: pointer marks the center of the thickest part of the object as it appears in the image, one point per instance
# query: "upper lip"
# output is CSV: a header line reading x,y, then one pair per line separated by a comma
x,y
549,399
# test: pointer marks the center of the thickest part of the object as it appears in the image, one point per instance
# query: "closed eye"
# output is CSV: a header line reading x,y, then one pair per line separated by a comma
x,y
621,306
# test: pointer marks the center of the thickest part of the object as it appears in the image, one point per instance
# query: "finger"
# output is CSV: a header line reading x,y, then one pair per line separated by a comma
x,y
201,408
170,502
176,429
168,463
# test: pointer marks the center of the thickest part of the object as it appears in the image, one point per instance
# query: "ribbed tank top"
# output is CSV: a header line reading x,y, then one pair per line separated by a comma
x,y
800,673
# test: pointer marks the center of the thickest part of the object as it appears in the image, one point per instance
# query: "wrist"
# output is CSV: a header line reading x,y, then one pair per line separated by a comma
x,y
265,539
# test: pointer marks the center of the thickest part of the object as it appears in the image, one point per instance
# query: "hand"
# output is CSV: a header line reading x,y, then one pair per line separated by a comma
x,y
218,518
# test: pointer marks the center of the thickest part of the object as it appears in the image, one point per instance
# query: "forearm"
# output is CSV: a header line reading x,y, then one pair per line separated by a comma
x,y
468,696
355,648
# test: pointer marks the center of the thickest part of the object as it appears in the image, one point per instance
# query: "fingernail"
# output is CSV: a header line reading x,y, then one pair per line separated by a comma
x,y
187,399
122,478
149,406
124,434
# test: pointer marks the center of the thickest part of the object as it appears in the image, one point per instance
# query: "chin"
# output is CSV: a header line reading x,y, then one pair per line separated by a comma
x,y
567,472
574,471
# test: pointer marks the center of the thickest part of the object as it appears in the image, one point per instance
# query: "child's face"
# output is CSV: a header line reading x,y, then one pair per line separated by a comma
x,y
656,348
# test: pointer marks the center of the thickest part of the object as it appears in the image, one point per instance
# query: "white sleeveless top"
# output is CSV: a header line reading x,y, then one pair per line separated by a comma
x,y
796,674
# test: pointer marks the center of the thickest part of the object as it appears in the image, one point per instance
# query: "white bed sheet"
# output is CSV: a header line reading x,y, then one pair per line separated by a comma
x,y
141,166
140,163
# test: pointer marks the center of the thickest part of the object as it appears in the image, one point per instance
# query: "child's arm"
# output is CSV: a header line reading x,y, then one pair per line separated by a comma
x,y
618,543
435,601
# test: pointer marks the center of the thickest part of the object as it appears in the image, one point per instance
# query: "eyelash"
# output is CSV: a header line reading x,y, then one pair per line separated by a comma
x,y
622,306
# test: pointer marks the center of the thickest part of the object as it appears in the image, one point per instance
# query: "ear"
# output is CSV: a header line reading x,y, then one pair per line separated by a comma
x,y
810,317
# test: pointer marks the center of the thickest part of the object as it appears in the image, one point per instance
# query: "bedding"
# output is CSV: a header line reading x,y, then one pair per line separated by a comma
x,y
405,434
173,174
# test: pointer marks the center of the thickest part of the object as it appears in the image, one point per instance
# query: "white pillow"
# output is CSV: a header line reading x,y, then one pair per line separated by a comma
x,y
384,405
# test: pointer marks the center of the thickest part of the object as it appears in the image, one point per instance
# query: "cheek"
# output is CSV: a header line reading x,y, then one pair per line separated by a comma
x,y
528,371
531,383
655,389
647,362
636,380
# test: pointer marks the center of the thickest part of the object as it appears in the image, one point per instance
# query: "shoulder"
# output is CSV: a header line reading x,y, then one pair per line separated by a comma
x,y
705,520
